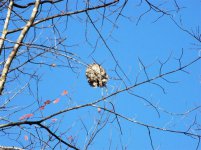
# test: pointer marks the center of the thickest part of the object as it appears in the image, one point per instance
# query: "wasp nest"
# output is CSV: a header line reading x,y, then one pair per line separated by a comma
x,y
96,75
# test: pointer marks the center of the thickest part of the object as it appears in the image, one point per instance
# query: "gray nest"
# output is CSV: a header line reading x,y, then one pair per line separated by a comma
x,y
96,75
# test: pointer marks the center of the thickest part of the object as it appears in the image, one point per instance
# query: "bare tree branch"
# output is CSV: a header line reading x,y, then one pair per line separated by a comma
x,y
16,47
5,28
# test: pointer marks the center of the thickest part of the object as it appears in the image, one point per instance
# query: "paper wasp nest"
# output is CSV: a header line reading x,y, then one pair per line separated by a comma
x,y
96,75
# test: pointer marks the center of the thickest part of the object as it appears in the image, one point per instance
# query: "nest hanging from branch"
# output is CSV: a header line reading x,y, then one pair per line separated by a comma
x,y
96,75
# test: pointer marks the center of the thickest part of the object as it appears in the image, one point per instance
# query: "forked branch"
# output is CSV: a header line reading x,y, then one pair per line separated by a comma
x,y
17,46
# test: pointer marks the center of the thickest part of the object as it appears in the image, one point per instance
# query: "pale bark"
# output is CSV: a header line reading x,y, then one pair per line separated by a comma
x,y
10,148
17,46
5,28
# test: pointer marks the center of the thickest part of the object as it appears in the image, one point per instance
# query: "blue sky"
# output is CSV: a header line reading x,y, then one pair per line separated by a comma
x,y
148,41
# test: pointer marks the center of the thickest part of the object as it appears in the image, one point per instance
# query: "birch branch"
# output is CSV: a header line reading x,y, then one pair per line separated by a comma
x,y
10,148
5,28
17,46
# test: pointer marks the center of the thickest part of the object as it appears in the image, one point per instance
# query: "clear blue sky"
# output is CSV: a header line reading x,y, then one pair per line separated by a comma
x,y
148,41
